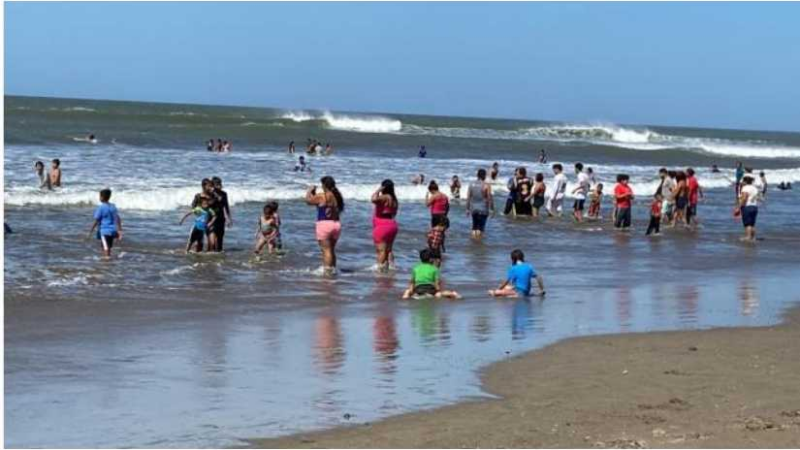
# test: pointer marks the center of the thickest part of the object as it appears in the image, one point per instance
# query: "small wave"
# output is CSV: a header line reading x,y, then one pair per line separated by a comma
x,y
248,124
79,109
364,124
617,136
182,113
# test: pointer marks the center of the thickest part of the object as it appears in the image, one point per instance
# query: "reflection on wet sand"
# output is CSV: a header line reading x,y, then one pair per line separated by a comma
x,y
624,307
481,327
749,297
329,354
432,323
688,302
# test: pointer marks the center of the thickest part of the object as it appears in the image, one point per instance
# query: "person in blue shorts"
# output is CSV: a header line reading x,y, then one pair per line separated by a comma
x,y
518,281
107,222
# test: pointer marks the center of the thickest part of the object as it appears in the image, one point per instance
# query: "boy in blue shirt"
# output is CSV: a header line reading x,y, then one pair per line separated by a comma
x,y
518,281
204,218
107,222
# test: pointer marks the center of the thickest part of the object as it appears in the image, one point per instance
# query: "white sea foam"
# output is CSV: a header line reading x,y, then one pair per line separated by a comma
x,y
617,136
363,123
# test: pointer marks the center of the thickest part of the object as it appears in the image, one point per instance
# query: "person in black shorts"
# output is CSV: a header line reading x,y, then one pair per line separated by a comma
x,y
209,194
223,211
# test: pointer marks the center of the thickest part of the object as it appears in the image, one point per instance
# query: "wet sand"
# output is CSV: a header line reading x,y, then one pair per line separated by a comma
x,y
728,387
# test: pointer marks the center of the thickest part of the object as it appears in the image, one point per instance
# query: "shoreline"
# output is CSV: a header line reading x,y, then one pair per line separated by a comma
x,y
722,387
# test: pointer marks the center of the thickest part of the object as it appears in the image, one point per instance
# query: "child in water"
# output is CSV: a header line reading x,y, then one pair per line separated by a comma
x,y
204,219
436,238
655,216
107,222
268,231
595,198
518,280
455,187
426,281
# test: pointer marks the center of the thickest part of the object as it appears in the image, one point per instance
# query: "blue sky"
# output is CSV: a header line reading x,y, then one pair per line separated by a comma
x,y
718,65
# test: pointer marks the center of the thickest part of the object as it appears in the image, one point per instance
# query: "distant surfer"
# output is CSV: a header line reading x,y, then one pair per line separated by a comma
x,y
422,152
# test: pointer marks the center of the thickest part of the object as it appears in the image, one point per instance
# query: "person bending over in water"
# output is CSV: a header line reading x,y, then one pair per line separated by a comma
x,y
204,218
455,187
518,280
330,205
384,225
268,232
426,279
479,204
55,173
422,152
107,222
417,180
44,179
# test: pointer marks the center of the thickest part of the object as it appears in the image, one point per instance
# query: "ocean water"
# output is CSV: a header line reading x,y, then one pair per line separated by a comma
x,y
157,348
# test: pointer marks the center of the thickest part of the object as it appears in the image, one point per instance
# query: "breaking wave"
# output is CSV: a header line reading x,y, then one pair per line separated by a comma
x,y
363,124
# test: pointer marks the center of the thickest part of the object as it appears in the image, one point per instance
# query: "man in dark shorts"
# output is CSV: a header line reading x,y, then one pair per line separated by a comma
x,y
223,211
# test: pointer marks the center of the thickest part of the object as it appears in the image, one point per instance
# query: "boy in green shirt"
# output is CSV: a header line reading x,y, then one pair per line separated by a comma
x,y
425,279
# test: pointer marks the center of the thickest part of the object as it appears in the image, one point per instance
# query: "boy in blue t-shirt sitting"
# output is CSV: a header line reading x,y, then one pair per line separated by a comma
x,y
518,281
107,222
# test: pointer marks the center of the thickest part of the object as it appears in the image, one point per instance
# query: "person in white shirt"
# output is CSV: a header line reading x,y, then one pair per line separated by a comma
x,y
749,196
580,192
559,190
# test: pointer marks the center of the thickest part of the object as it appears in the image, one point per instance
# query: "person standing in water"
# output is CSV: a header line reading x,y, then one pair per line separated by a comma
x,y
107,222
223,210
513,192
522,202
55,173
559,190
695,194
438,203
542,157
44,179
291,148
422,152
495,171
580,192
207,193
455,187
479,203
384,225
623,196
329,204
739,176
748,207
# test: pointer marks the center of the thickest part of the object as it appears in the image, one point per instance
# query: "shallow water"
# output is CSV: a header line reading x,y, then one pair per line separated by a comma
x,y
157,348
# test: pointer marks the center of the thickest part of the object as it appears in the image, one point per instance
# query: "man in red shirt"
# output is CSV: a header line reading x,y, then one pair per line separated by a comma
x,y
623,195
695,193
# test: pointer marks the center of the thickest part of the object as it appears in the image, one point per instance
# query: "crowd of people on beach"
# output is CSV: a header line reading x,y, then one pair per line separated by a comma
x,y
674,203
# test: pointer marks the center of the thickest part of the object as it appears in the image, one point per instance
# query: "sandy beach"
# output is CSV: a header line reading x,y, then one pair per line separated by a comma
x,y
728,387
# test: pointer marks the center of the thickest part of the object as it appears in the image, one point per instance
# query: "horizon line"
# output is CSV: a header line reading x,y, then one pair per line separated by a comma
x,y
576,122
